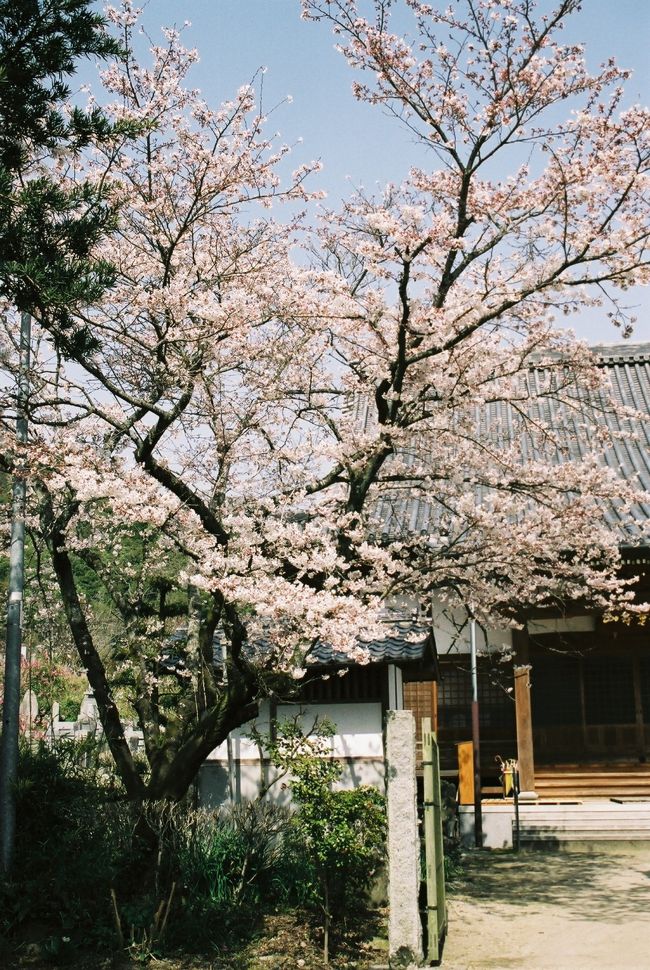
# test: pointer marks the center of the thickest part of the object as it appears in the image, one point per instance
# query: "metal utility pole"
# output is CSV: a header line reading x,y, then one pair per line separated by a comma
x,y
11,704
476,742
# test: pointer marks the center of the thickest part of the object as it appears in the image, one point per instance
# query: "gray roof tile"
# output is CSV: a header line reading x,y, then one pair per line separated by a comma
x,y
406,642
628,371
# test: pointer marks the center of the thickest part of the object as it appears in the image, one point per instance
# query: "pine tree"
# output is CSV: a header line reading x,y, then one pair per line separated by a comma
x,y
48,230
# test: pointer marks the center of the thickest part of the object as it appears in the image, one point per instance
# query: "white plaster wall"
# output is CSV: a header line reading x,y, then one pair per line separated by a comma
x,y
451,631
564,624
358,726
358,744
213,780
496,825
242,746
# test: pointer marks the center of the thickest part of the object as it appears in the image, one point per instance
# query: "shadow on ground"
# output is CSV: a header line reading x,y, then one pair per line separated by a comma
x,y
603,886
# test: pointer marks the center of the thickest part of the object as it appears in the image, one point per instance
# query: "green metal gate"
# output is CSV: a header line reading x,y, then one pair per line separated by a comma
x,y
436,922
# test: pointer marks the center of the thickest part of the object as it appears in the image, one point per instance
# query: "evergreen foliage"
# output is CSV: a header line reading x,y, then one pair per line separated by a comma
x,y
79,850
47,229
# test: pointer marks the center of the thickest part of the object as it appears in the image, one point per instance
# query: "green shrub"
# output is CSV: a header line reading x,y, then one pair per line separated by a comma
x,y
338,837
222,866
88,860
79,842
342,834
70,839
229,858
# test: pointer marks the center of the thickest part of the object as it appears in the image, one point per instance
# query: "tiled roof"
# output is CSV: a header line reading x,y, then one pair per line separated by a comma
x,y
628,370
406,642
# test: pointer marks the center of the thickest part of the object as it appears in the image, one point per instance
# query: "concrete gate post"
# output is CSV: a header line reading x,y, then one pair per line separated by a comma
x,y
404,925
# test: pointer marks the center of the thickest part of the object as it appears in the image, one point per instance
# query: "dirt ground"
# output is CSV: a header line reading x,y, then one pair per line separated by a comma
x,y
552,911
533,911
280,941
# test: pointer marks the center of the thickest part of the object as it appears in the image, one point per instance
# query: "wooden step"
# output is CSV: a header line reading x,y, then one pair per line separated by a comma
x,y
596,766
580,793
613,775
613,779
613,772
619,783
593,781
532,838
561,823
595,821
587,820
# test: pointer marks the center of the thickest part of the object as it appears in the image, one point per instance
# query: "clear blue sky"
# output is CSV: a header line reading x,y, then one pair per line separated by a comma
x,y
358,144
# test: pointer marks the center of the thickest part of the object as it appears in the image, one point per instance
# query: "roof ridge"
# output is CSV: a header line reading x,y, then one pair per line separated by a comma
x,y
622,352
636,353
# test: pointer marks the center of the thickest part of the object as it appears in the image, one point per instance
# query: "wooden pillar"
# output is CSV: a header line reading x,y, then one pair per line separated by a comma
x,y
638,710
583,706
465,751
434,705
524,720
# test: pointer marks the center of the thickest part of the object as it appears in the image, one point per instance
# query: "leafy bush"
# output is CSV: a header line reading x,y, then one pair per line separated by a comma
x,y
85,874
342,834
337,837
228,863
93,869
71,836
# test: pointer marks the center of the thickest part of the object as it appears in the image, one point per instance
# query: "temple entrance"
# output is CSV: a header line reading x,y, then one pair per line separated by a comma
x,y
591,707
448,703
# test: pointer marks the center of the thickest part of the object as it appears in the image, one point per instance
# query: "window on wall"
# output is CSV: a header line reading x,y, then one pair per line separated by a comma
x,y
496,701
555,691
357,683
418,698
496,706
454,700
609,690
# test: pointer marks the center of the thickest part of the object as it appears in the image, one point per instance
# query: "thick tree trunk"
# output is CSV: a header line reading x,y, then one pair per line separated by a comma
x,y
203,719
176,772
108,712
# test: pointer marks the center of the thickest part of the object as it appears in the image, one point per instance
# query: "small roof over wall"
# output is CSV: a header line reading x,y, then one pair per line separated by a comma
x,y
408,644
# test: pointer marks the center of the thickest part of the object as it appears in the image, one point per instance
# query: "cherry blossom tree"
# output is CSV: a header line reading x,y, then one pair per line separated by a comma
x,y
146,446
535,207
237,458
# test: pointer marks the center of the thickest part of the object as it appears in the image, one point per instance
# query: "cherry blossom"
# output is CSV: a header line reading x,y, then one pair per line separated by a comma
x,y
240,458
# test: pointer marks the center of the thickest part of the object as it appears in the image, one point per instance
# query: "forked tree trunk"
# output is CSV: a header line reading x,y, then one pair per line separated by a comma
x,y
174,765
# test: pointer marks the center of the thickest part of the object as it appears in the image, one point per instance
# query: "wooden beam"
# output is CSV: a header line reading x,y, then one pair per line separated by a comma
x,y
465,772
524,721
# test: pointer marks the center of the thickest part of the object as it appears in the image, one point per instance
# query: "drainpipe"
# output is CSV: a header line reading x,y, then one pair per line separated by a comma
x,y
11,703
476,746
